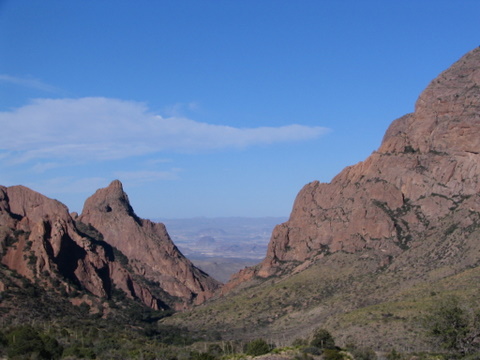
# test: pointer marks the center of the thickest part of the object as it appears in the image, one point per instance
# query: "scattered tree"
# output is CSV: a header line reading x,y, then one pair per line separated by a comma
x,y
454,327
322,339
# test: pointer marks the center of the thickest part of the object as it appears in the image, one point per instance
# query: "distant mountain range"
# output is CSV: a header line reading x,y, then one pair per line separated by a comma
x,y
222,246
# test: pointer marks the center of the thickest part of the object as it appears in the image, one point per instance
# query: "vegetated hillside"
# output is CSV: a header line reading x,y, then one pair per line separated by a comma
x,y
45,323
68,291
366,254
351,296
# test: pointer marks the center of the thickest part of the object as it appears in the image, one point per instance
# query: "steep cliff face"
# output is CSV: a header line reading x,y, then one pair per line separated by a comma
x,y
426,166
39,237
40,240
147,245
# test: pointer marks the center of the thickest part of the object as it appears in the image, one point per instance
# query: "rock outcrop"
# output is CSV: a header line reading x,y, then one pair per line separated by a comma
x,y
38,236
41,241
147,245
427,165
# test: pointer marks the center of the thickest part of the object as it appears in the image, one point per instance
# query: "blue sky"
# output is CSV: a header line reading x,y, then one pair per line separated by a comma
x,y
211,108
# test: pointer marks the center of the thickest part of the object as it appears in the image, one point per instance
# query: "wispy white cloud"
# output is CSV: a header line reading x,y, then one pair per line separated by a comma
x,y
29,82
178,109
42,167
68,185
4,155
103,128
154,162
136,177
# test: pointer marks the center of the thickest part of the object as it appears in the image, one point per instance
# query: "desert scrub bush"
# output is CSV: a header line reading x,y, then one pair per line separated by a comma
x,y
312,350
363,354
10,241
303,356
215,349
25,342
454,326
394,355
333,354
322,339
475,356
168,334
299,342
28,245
360,352
202,356
78,352
257,347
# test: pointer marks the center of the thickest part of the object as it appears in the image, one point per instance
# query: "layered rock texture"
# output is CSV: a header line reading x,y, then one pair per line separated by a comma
x,y
41,241
427,166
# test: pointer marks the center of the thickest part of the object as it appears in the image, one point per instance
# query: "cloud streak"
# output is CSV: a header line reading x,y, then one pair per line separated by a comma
x,y
138,177
28,82
103,129
68,185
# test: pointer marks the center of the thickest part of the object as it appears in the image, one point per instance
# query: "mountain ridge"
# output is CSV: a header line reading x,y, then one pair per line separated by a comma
x,y
366,254
427,163
146,243
41,241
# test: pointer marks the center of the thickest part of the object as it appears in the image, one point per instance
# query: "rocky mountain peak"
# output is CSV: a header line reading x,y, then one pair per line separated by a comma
x,y
447,113
38,236
111,199
107,247
147,244
427,166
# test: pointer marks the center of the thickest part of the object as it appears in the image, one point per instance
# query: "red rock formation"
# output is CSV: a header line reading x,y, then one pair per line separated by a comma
x,y
41,241
427,165
40,236
146,244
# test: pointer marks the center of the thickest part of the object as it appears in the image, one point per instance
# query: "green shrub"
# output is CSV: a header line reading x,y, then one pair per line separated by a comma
x,y
25,341
322,339
364,354
331,354
475,356
257,347
394,355
453,326
79,352
312,350
52,347
303,356
299,342
202,356
215,349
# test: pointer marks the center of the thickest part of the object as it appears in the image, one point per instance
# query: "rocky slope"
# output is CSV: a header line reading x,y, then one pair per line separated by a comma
x,y
367,254
41,241
146,244
426,166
